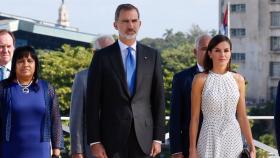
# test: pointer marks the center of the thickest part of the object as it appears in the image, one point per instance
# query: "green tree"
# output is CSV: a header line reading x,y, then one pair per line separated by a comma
x,y
59,68
168,33
175,60
264,109
169,40
157,43
174,40
213,32
269,140
194,32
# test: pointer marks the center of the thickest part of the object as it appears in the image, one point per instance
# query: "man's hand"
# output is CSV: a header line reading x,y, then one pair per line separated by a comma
x,y
77,155
156,149
98,151
56,152
177,155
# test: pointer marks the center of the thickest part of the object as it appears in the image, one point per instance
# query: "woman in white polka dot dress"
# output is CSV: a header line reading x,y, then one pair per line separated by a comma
x,y
220,94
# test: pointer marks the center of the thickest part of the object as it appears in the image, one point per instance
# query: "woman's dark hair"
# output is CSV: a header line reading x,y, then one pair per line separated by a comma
x,y
24,52
208,63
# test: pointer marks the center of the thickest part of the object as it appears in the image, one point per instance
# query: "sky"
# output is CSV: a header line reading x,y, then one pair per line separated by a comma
x,y
97,16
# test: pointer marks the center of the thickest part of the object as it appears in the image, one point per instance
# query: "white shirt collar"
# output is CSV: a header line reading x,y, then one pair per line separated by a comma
x,y
124,46
200,68
123,49
8,65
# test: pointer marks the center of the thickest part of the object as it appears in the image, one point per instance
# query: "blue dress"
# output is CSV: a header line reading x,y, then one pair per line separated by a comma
x,y
28,110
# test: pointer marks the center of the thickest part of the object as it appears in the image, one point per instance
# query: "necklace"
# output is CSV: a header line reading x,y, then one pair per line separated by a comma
x,y
25,88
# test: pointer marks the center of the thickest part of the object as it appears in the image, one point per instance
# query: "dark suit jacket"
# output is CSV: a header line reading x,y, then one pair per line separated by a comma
x,y
277,118
111,110
180,115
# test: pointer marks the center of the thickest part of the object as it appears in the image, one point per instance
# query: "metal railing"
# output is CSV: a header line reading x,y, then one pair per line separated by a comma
x,y
272,152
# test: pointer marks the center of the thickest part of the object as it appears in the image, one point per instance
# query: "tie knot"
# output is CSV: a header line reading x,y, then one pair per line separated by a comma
x,y
129,49
3,68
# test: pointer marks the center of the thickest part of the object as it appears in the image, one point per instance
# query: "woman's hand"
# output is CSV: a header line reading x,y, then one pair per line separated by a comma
x,y
253,152
193,153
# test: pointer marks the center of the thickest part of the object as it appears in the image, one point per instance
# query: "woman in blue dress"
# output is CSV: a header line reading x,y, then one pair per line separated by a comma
x,y
30,118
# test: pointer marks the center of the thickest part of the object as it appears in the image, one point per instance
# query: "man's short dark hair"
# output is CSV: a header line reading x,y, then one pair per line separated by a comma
x,y
125,7
3,31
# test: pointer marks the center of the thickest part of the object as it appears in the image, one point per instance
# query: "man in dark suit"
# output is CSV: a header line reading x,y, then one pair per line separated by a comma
x,y
125,96
277,118
79,147
180,115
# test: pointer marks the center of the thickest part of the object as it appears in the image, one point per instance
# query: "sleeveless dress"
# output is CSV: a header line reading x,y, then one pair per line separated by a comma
x,y
27,119
220,134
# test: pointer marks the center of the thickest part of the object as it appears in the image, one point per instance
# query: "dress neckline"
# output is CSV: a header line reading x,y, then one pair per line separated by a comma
x,y
217,74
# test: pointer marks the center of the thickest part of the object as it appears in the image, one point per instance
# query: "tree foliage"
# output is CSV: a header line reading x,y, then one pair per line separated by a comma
x,y
262,129
174,40
269,140
59,68
177,54
175,60
194,32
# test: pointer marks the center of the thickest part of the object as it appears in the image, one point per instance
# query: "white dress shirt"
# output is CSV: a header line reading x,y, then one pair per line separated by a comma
x,y
7,69
124,51
200,68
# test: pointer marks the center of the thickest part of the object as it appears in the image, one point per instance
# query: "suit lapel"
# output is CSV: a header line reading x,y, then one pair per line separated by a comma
x,y
142,64
118,67
195,70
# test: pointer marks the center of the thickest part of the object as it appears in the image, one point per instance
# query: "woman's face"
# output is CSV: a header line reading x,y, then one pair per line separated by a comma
x,y
221,54
25,68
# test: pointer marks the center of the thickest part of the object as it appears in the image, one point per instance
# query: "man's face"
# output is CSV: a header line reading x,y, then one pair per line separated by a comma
x,y
6,48
128,24
200,51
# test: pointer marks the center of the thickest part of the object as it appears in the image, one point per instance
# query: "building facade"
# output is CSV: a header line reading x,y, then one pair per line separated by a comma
x,y
254,27
44,35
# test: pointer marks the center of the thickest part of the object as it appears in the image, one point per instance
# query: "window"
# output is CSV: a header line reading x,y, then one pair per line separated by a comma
x,y
238,8
273,93
275,18
275,43
238,56
275,69
237,32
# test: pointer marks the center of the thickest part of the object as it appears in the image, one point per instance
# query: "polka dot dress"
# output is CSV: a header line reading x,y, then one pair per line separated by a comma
x,y
220,135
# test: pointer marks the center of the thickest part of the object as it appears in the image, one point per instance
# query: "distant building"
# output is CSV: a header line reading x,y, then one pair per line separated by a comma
x,y
44,35
255,34
63,17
